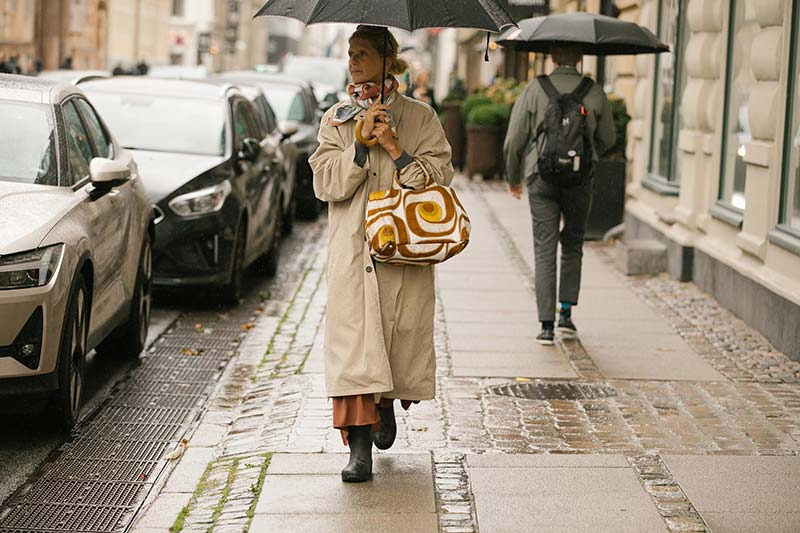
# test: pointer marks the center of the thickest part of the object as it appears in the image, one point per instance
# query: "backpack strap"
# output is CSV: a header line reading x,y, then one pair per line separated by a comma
x,y
583,88
547,85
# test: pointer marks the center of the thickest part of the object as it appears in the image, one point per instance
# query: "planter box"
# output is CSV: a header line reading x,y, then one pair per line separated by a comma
x,y
484,150
455,132
608,198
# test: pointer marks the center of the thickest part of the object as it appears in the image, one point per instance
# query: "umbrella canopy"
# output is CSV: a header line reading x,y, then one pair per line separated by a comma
x,y
595,34
407,15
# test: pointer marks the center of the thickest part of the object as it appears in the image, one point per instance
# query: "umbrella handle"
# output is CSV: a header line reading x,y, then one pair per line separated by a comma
x,y
366,142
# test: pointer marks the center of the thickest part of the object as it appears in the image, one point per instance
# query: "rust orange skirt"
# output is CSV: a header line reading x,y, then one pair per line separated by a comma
x,y
359,410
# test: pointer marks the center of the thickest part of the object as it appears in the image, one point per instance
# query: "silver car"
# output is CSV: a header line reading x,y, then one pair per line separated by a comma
x,y
75,243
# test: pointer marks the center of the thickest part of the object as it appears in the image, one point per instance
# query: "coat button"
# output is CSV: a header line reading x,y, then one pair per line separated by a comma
x,y
369,269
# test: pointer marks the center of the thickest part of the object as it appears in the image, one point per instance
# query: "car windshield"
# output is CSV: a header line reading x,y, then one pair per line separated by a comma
x,y
164,123
27,143
331,72
287,102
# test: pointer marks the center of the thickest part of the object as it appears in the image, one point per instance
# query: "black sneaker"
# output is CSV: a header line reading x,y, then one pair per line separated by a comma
x,y
565,324
546,337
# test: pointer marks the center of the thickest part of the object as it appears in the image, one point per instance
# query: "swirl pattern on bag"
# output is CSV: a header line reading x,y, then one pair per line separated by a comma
x,y
426,226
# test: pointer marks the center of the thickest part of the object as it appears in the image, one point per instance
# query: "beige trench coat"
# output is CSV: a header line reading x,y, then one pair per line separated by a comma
x,y
379,323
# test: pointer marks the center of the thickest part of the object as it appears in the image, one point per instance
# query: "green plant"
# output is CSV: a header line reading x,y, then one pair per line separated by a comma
x,y
473,101
485,115
619,113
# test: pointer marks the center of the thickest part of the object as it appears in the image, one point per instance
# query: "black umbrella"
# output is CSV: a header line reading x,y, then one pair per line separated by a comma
x,y
407,15
594,34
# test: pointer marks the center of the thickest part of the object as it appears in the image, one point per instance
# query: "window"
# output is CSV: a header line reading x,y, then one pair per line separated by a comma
x,y
96,131
272,121
790,199
243,125
78,145
27,143
670,80
739,80
177,8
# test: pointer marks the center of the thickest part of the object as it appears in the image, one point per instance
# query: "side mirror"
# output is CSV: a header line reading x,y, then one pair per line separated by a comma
x,y
326,104
251,149
288,128
106,173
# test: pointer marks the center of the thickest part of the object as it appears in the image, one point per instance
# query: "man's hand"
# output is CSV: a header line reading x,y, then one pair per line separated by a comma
x,y
516,191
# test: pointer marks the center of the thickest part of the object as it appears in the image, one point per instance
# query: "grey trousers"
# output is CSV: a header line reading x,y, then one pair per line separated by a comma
x,y
548,204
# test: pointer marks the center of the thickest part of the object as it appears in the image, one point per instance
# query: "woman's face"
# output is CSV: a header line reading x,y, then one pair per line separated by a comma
x,y
365,62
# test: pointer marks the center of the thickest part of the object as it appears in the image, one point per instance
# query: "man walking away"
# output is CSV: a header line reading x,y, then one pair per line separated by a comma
x,y
559,126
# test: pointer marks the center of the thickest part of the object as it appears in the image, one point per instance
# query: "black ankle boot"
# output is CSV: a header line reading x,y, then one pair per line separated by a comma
x,y
360,466
384,437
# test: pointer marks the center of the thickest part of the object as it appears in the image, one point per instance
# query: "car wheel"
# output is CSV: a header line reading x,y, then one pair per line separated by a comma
x,y
307,203
232,292
66,401
129,339
268,263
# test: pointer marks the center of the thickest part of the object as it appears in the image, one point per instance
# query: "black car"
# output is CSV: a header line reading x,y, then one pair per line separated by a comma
x,y
299,114
216,187
284,147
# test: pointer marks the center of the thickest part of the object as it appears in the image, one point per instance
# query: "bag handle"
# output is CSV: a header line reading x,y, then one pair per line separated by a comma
x,y
428,179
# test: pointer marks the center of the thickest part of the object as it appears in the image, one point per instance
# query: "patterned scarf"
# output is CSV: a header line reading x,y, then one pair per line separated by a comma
x,y
363,96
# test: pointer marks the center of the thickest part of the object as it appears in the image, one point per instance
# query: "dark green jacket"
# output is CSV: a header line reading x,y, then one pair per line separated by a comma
x,y
520,150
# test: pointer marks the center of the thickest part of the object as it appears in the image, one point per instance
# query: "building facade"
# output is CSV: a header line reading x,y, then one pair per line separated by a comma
x,y
714,149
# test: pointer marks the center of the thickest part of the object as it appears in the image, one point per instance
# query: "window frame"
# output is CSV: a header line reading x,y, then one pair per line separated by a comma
x,y
667,185
785,235
106,133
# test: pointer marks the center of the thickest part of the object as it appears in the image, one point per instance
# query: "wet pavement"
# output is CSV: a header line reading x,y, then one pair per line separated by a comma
x,y
640,424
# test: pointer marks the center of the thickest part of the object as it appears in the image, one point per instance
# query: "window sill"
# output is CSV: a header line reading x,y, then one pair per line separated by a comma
x,y
661,186
728,214
787,238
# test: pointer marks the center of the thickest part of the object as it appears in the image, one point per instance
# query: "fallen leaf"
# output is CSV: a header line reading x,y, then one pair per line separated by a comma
x,y
222,316
522,379
198,327
190,351
177,452
247,326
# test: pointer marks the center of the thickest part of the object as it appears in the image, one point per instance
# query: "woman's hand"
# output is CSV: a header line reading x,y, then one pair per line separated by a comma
x,y
387,140
376,114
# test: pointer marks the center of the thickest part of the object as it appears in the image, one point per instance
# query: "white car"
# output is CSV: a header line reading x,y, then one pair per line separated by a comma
x,y
76,230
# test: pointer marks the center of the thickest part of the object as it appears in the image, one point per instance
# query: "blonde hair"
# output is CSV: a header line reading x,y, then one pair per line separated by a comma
x,y
376,36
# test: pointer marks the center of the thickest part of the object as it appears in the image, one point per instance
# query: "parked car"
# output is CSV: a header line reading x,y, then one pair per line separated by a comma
x,y
73,76
327,75
76,230
298,115
284,147
216,188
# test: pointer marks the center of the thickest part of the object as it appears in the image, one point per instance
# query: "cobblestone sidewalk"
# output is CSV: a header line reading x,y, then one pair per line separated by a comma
x,y
273,402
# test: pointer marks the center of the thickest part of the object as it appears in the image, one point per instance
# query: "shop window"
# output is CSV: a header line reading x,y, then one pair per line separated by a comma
x,y
670,80
790,199
739,81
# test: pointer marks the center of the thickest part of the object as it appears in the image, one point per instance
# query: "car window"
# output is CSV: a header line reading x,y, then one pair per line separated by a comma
x,y
27,143
261,108
243,123
272,121
101,141
287,101
78,145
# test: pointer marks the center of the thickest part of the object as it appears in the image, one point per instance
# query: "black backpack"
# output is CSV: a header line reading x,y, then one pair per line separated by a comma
x,y
565,155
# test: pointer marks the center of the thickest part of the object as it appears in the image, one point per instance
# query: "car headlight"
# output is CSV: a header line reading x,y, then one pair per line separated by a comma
x,y
202,202
29,269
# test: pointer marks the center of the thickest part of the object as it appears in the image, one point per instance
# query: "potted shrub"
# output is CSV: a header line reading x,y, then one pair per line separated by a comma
x,y
454,130
484,138
608,197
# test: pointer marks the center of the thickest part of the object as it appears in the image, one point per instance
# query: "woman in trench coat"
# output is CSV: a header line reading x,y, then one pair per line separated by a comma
x,y
379,325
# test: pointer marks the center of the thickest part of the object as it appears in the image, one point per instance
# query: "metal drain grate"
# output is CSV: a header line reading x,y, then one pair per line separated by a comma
x,y
136,432
139,415
169,387
177,375
130,398
89,448
554,391
193,341
58,517
103,493
100,470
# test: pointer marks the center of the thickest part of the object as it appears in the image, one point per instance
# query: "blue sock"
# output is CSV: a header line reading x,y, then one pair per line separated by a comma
x,y
566,307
